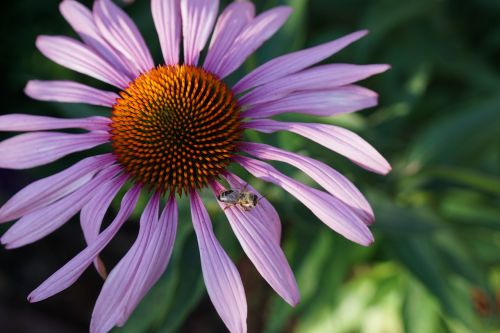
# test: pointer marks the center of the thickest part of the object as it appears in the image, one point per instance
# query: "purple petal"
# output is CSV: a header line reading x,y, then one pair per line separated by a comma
x,y
332,137
41,222
26,122
69,92
229,25
48,190
198,17
252,230
319,103
122,33
252,37
70,272
167,18
74,55
326,207
93,212
33,149
331,180
317,78
81,20
266,211
294,62
222,280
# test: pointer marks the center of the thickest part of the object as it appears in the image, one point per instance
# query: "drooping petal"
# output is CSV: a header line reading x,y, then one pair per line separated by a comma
x,y
74,55
252,230
41,222
222,280
167,18
27,122
69,92
121,32
38,148
317,78
332,137
319,103
229,25
294,62
82,21
252,37
266,210
198,18
326,207
330,179
70,272
46,191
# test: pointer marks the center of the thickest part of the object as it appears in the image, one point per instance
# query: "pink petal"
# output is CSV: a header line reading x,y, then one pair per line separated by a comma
x,y
167,18
69,92
70,272
81,20
38,148
222,280
74,55
320,103
26,122
326,207
122,33
252,230
332,137
93,212
41,222
324,77
266,210
252,37
294,62
48,190
198,18
229,25
331,180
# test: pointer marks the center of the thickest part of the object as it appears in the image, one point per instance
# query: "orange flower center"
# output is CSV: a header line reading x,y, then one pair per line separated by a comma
x,y
175,128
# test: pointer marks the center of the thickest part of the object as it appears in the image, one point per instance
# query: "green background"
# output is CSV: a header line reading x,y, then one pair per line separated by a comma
x,y
435,265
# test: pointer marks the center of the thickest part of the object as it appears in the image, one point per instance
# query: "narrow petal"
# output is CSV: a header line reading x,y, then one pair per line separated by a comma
x,y
122,280
229,25
26,122
198,18
81,20
167,18
318,78
319,103
69,92
326,207
222,280
266,210
332,137
40,223
252,37
252,230
330,179
294,62
70,272
38,148
74,55
48,190
121,32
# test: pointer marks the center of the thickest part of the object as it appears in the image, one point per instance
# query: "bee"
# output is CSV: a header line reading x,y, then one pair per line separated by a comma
x,y
245,199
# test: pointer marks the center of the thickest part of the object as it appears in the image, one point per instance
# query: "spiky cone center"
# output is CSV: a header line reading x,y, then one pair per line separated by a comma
x,y
175,128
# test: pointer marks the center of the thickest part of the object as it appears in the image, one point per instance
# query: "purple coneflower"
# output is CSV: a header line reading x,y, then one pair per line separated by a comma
x,y
174,129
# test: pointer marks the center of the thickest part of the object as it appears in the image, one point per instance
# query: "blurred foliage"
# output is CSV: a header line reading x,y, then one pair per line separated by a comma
x,y
435,265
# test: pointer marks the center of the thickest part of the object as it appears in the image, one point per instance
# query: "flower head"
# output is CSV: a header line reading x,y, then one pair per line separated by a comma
x,y
173,129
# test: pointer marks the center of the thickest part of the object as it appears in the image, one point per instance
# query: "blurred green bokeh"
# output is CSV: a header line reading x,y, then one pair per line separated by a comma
x,y
435,265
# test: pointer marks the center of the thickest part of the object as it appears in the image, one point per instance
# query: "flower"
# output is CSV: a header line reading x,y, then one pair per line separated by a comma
x,y
173,130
